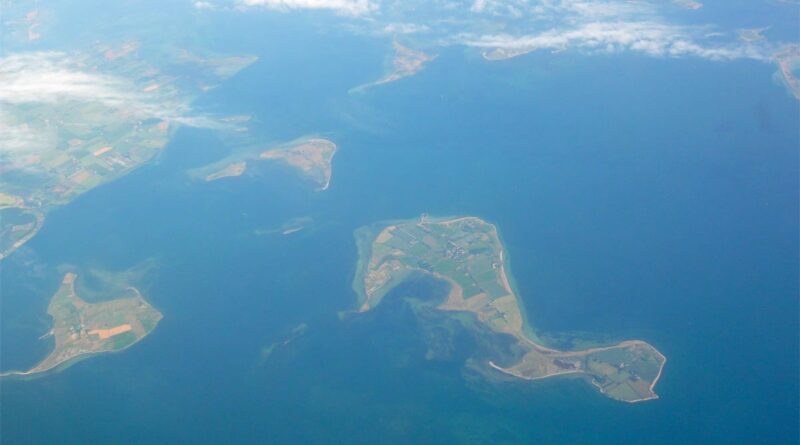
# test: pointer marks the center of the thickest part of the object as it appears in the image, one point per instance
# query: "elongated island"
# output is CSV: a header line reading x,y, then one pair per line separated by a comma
x,y
467,253
405,63
82,329
312,157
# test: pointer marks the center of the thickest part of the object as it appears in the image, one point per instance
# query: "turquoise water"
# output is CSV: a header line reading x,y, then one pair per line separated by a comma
x,y
638,198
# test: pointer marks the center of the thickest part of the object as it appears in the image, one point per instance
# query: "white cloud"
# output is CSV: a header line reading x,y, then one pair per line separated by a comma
x,y
647,37
519,26
54,77
58,80
603,26
48,77
404,28
478,6
348,7
595,10
204,5
18,139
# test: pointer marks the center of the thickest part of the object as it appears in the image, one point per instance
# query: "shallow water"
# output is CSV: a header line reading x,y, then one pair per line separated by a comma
x,y
663,210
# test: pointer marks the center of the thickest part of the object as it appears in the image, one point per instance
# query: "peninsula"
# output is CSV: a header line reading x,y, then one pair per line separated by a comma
x,y
73,146
82,329
467,253
17,225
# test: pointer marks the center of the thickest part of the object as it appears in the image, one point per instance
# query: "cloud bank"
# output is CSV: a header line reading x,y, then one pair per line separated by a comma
x,y
347,7
57,80
55,77
515,27
49,77
649,38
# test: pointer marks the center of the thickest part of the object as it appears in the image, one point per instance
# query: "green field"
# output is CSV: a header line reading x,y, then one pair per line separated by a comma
x,y
82,329
467,253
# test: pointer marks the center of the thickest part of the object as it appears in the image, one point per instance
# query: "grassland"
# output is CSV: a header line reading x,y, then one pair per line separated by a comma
x,y
467,253
82,329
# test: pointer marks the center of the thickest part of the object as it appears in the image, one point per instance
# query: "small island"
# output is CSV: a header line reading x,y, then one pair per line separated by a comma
x,y
405,63
292,225
82,329
466,252
232,170
312,157
294,334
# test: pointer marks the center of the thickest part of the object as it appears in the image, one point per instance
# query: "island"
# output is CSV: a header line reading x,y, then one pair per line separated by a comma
x,y
313,157
294,334
292,225
405,63
466,252
229,171
83,329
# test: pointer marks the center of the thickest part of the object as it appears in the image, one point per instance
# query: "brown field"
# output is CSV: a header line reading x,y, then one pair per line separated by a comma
x,y
108,333
102,150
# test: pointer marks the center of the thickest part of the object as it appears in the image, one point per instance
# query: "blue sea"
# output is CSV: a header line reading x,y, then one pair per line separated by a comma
x,y
639,198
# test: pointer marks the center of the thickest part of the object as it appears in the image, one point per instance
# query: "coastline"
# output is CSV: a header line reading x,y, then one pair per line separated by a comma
x,y
528,329
40,216
364,246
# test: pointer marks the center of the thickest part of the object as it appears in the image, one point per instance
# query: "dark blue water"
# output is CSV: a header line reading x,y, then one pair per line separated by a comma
x,y
639,198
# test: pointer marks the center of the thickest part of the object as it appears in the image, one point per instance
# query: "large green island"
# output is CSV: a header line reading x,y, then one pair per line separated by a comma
x,y
467,253
82,329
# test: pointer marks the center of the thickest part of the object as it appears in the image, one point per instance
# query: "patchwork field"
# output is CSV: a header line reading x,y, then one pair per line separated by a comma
x,y
467,253
82,328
